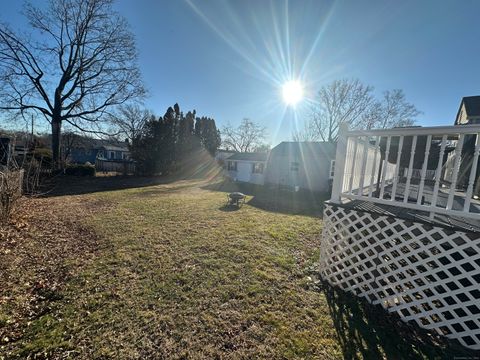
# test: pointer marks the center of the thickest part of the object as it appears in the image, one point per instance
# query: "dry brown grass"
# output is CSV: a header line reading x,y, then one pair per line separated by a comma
x,y
166,271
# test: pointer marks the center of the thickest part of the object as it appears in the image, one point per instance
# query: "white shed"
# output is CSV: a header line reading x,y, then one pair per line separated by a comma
x,y
247,167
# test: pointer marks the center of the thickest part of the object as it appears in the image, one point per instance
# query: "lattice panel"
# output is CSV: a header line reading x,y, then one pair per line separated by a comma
x,y
425,273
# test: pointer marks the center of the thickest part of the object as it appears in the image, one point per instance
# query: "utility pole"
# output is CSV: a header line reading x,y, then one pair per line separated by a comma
x,y
32,130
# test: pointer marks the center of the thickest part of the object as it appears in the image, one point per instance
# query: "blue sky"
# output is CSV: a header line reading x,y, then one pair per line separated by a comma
x,y
227,59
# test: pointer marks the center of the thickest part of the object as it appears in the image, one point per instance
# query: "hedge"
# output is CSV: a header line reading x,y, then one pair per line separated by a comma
x,y
80,170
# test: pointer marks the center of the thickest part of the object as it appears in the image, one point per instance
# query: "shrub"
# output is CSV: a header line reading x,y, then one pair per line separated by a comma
x,y
44,156
10,191
80,170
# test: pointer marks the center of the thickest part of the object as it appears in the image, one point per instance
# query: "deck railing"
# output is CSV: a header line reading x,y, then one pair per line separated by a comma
x,y
433,169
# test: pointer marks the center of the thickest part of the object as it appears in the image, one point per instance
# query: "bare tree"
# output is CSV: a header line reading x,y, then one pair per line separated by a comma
x,y
69,141
392,111
350,101
247,137
82,63
129,120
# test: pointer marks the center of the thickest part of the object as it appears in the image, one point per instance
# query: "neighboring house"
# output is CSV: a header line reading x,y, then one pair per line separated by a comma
x,y
247,167
93,149
468,114
221,155
469,111
306,165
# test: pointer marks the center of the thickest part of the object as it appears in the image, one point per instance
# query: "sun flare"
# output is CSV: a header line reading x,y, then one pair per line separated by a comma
x,y
292,92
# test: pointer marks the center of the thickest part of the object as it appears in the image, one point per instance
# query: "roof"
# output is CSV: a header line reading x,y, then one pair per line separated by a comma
x,y
226,151
116,147
254,156
472,105
104,144
305,149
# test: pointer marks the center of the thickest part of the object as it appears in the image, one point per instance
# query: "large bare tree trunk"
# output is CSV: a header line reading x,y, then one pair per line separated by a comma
x,y
56,133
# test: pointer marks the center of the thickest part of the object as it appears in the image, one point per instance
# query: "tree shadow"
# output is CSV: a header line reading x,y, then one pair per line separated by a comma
x,y
368,331
274,198
74,185
200,169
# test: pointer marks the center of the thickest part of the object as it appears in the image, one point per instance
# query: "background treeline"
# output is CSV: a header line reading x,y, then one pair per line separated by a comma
x,y
165,144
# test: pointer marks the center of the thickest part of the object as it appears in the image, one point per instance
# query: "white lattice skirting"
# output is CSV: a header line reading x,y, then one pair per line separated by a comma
x,y
425,273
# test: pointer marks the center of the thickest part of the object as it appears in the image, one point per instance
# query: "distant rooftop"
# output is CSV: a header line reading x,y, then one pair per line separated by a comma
x,y
254,156
105,144
472,105
305,148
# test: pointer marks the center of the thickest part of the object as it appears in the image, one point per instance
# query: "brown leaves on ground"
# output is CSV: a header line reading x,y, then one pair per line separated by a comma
x,y
39,250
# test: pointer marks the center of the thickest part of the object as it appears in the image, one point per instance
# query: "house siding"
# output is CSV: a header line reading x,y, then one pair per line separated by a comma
x,y
313,169
244,172
83,155
462,115
315,176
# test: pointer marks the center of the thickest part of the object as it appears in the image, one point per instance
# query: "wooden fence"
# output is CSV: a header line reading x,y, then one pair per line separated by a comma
x,y
120,166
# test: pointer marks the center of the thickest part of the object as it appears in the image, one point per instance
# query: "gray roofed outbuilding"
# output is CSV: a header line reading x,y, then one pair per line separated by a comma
x,y
254,156
307,149
303,164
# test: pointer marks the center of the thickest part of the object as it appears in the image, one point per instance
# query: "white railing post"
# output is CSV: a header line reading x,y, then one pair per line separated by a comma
x,y
456,169
341,155
374,166
424,170
473,174
410,167
438,172
385,164
366,145
397,168
352,170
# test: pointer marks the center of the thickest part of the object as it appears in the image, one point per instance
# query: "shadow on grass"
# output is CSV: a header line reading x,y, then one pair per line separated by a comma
x,y
73,185
275,199
229,208
368,330
76,185
201,168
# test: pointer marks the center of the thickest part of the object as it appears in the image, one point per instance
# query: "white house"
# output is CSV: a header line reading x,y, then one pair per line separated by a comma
x,y
247,167
221,155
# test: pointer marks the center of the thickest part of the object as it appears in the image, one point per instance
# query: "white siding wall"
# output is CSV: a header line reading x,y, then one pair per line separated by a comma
x,y
244,173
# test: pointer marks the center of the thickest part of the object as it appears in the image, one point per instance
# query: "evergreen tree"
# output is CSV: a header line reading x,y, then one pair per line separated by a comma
x,y
207,134
164,144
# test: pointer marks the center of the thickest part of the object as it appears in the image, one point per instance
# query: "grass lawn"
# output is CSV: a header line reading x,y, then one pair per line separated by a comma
x,y
166,271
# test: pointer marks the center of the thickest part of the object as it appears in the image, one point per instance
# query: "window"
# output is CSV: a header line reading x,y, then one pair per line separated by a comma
x,y
112,154
257,168
124,156
331,173
232,166
294,166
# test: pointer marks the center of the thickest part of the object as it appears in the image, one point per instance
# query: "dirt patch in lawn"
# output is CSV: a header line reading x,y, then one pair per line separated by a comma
x,y
40,249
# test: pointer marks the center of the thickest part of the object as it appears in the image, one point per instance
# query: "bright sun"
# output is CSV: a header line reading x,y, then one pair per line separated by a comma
x,y
292,92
